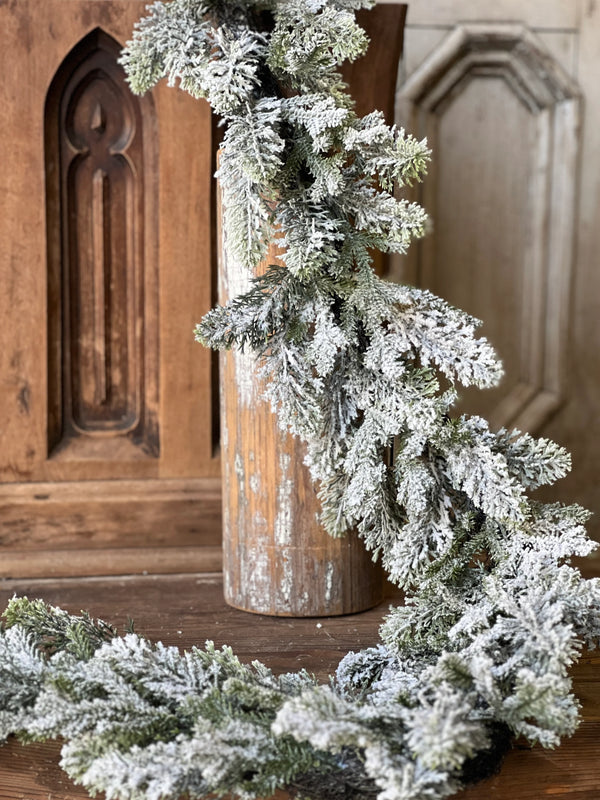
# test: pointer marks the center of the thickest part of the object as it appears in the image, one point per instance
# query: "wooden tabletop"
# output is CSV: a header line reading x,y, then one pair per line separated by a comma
x,y
188,609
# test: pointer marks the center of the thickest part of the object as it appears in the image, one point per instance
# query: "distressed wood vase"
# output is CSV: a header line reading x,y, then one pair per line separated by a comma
x,y
277,558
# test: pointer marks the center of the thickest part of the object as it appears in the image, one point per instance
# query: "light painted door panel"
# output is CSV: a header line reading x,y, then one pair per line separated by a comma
x,y
508,94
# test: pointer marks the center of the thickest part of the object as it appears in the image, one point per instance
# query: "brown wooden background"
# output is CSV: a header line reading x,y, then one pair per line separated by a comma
x,y
109,451
108,416
108,458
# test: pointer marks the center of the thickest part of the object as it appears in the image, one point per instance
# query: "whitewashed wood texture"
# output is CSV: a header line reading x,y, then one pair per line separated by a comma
x,y
508,93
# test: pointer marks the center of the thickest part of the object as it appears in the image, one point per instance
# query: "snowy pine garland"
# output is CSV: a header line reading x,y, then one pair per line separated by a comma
x,y
494,614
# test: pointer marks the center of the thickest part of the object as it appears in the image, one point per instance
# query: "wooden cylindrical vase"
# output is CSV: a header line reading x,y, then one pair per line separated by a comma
x,y
277,558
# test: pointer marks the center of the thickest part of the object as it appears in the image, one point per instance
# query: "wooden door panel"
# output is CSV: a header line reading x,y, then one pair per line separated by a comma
x,y
106,266
508,94
503,120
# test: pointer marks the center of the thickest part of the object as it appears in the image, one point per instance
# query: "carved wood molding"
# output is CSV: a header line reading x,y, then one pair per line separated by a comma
x,y
513,54
102,259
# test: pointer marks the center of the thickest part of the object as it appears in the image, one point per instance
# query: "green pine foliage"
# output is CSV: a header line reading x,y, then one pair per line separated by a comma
x,y
365,373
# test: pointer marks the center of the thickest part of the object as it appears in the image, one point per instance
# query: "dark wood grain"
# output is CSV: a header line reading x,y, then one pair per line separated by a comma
x,y
188,609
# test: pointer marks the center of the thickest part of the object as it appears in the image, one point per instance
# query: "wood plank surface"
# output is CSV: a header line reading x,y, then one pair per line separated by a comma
x,y
188,609
110,527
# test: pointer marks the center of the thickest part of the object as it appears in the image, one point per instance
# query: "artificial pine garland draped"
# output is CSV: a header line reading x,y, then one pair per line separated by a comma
x,y
494,613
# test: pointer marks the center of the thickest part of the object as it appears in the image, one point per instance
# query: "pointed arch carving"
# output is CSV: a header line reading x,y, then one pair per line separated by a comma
x,y
102,259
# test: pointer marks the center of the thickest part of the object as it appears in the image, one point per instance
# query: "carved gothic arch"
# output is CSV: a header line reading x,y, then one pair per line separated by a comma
x,y
102,262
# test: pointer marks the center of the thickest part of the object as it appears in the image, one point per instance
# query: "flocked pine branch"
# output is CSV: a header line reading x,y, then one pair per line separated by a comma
x,y
355,366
